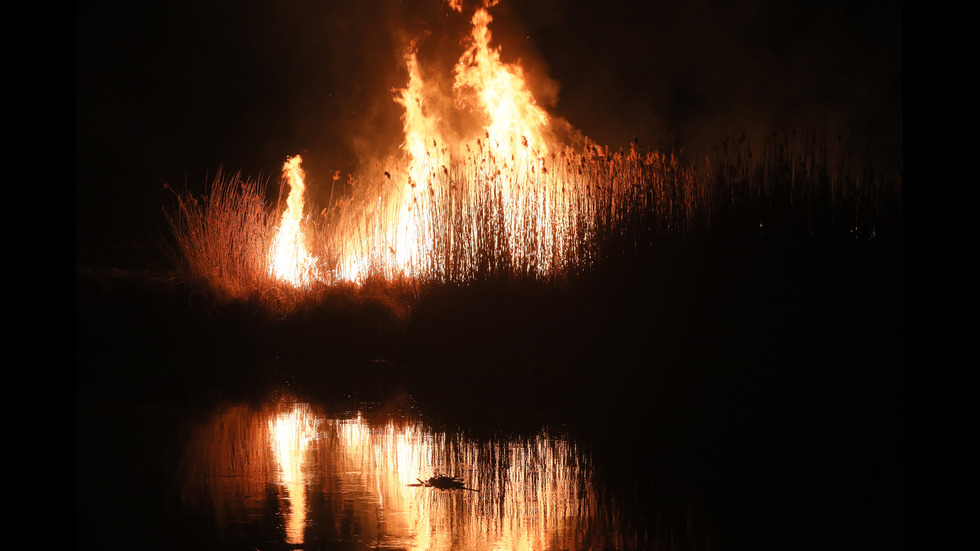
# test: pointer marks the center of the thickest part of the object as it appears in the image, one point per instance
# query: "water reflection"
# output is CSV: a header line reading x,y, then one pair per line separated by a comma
x,y
308,477
291,433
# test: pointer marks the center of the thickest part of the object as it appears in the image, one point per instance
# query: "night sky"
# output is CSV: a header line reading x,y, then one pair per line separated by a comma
x,y
168,92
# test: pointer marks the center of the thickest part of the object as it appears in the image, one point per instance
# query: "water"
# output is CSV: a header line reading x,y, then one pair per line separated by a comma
x,y
752,409
288,472
292,473
285,473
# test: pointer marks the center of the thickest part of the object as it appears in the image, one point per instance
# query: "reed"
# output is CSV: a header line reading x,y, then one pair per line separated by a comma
x,y
222,236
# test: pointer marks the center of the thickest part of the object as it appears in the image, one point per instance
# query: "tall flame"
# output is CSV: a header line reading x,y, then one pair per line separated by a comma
x,y
474,204
512,116
413,240
503,174
289,259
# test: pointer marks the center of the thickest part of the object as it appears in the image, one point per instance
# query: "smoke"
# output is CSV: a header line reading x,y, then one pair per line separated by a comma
x,y
693,72
669,74
344,111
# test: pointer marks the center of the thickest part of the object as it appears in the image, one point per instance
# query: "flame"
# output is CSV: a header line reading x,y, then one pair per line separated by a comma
x,y
481,188
501,186
289,259
500,89
412,243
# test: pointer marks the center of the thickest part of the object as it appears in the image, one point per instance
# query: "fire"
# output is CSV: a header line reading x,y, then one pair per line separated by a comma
x,y
444,215
483,188
289,259
413,239
512,116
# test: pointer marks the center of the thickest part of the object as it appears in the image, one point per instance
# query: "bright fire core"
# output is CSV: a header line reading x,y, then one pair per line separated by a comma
x,y
289,259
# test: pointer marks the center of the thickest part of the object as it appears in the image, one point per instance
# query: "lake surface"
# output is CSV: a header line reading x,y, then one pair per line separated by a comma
x,y
284,472
735,406
294,473
281,472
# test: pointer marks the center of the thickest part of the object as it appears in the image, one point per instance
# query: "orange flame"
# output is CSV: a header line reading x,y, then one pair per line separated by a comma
x,y
412,240
289,259
504,183
501,92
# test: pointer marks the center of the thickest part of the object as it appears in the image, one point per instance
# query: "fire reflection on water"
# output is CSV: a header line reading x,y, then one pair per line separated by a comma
x,y
320,478
291,433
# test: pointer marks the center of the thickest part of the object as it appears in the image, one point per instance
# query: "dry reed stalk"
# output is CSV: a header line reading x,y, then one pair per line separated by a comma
x,y
223,236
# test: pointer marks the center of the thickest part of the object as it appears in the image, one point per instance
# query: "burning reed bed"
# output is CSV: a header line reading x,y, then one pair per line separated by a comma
x,y
221,243
472,216
477,217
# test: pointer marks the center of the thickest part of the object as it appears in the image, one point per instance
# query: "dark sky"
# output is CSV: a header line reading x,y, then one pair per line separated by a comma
x,y
169,91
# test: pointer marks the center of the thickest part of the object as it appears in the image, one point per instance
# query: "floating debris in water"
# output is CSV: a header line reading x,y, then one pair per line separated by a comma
x,y
443,483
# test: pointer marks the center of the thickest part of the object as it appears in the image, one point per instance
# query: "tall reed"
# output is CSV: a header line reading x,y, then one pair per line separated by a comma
x,y
223,235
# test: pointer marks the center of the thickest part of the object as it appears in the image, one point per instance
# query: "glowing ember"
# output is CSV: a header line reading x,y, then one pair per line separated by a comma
x,y
289,259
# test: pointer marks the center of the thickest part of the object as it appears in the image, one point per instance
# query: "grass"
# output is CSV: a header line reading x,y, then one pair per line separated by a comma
x,y
222,236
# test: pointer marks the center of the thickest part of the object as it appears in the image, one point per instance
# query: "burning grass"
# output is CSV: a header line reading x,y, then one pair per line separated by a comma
x,y
512,200
477,217
222,242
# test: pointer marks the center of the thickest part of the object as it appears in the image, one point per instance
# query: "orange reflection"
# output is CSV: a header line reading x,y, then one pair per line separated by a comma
x,y
291,433
348,479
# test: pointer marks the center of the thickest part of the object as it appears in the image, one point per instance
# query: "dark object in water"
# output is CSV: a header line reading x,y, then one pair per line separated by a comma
x,y
443,483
